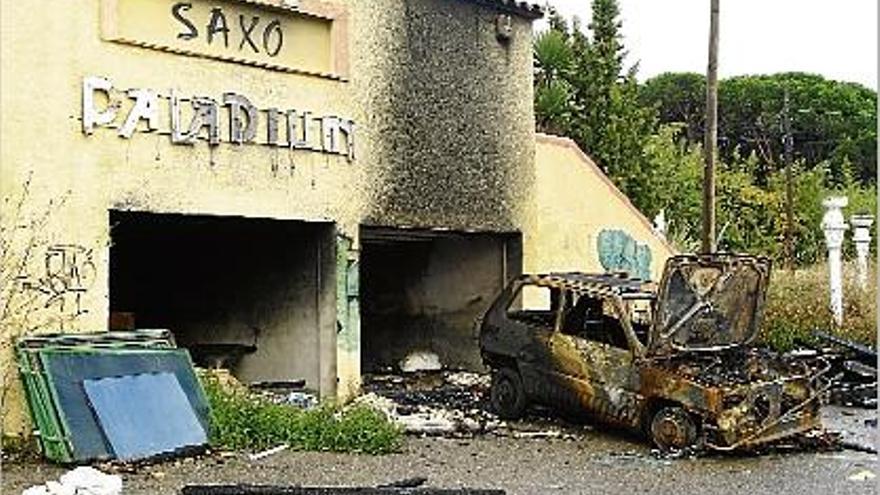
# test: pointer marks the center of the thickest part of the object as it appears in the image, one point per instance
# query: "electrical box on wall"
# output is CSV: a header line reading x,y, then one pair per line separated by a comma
x,y
504,27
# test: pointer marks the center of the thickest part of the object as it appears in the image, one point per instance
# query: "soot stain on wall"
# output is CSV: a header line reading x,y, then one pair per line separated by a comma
x,y
460,145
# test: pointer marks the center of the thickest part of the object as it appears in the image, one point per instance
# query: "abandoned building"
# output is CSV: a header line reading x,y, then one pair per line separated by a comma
x,y
302,189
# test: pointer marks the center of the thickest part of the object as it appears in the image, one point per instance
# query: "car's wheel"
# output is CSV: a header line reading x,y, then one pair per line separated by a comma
x,y
507,393
672,429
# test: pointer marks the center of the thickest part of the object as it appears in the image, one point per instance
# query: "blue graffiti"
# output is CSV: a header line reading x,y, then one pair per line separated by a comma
x,y
618,251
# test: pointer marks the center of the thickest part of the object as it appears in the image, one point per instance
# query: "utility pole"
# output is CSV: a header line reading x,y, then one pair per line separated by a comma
x,y
711,139
789,187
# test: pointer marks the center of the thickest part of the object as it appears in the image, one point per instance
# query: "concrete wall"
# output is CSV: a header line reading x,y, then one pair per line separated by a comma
x,y
574,203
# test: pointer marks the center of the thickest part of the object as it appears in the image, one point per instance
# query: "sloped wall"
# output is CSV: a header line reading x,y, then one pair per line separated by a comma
x,y
581,222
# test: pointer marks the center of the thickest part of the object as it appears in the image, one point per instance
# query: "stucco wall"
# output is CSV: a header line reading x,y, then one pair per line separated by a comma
x,y
47,52
457,145
574,203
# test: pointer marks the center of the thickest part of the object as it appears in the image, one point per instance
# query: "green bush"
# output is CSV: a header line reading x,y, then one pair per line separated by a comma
x,y
797,304
241,421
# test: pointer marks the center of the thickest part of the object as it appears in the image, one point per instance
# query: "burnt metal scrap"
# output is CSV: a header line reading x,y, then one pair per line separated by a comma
x,y
674,361
854,371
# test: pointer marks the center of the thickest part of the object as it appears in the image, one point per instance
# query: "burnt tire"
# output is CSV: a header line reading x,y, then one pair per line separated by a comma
x,y
507,394
673,429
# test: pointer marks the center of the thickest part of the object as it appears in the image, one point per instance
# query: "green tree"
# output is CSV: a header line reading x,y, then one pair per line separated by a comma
x,y
583,91
833,122
554,109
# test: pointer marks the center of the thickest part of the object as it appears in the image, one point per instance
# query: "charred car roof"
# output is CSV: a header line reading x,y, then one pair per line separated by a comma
x,y
596,284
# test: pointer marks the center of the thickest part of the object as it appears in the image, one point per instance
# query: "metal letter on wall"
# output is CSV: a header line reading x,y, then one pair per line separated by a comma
x,y
92,117
204,115
293,140
330,134
346,127
145,107
241,130
272,116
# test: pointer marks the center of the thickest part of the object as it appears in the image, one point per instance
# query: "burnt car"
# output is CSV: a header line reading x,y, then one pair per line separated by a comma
x,y
673,360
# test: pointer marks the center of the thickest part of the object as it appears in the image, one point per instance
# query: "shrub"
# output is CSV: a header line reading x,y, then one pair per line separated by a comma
x,y
241,421
797,304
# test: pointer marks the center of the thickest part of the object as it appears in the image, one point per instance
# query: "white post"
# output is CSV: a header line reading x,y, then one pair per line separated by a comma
x,y
862,238
660,224
834,227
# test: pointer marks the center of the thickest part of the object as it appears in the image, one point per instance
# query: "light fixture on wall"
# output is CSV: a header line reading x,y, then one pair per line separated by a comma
x,y
504,27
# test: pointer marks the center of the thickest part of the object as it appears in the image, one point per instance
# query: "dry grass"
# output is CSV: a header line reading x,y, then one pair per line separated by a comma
x,y
797,304
23,310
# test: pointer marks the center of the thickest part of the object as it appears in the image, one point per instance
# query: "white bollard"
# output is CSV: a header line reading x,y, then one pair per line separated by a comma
x,y
862,238
834,226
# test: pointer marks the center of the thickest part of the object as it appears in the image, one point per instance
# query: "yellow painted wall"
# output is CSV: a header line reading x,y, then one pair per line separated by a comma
x,y
46,52
574,201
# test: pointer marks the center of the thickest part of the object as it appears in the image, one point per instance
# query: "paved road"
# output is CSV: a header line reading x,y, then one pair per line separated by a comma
x,y
593,462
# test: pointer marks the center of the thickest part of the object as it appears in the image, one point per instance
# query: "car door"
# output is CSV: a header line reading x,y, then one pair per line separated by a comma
x,y
593,360
531,316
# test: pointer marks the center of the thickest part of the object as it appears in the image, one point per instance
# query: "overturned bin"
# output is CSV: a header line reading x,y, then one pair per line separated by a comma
x,y
93,396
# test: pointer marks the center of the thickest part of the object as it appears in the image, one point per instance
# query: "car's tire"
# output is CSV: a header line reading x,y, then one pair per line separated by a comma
x,y
673,429
507,394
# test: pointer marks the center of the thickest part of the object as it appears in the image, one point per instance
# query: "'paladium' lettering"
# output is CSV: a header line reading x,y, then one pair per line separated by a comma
x,y
251,32
198,118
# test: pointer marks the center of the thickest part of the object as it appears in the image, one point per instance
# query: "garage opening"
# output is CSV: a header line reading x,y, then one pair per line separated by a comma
x,y
422,290
253,295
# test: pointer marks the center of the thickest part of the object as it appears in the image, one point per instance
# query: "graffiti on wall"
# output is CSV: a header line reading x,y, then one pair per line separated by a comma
x,y
618,251
67,274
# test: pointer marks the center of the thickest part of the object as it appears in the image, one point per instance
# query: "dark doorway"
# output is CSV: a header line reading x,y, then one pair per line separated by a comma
x,y
239,292
422,290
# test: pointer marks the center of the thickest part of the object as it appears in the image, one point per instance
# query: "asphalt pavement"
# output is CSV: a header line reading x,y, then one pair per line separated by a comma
x,y
585,460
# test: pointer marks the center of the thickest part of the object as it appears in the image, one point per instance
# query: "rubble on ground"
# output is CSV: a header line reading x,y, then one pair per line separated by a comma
x,y
80,481
433,402
420,361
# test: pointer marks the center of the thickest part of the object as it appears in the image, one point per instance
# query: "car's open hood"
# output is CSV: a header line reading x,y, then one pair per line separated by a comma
x,y
709,302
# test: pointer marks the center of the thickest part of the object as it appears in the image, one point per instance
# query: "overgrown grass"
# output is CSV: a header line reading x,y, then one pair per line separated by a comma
x,y
797,304
241,421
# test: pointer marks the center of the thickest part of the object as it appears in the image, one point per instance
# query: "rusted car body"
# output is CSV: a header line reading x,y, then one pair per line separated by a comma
x,y
673,360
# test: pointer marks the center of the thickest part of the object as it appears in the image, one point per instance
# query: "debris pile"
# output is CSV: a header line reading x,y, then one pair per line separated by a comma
x,y
433,403
854,367
289,396
404,487
80,481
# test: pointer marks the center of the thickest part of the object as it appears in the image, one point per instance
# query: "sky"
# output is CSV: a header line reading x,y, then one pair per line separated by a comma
x,y
834,38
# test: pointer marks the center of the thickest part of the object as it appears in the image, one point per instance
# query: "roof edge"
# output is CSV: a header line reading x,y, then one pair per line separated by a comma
x,y
528,10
